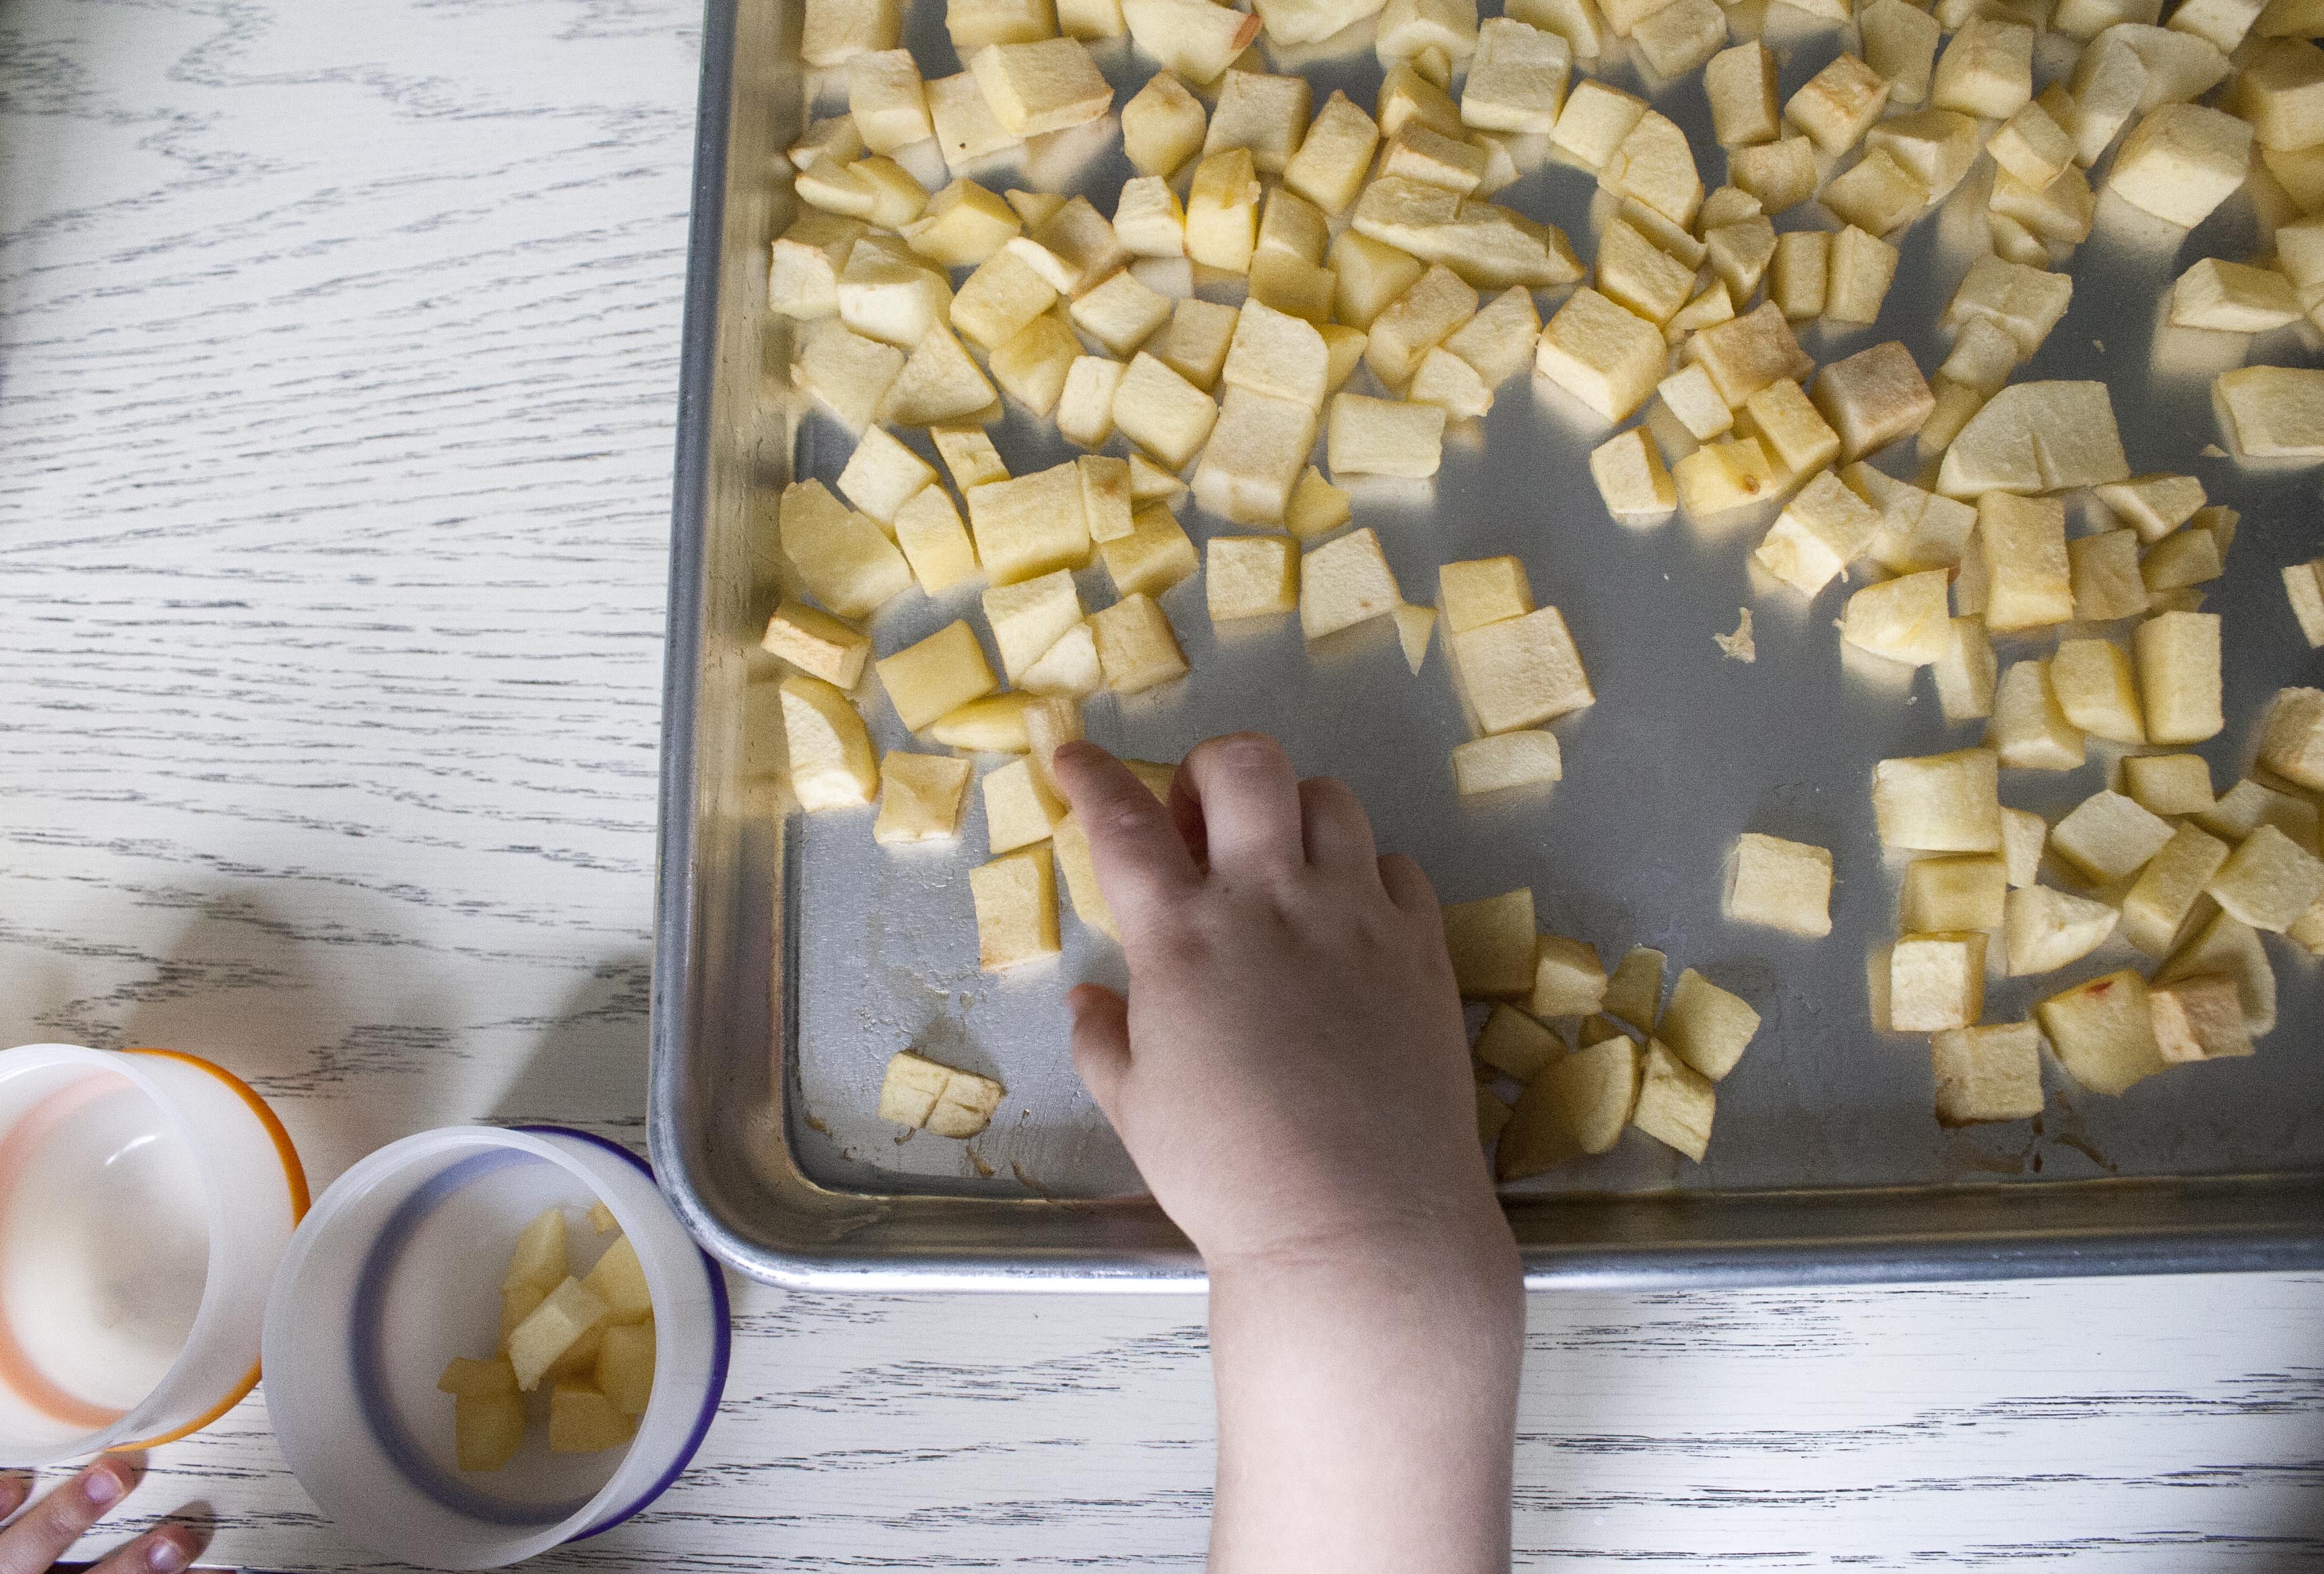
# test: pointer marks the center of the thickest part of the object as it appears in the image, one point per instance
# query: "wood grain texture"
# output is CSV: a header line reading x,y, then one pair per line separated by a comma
x,y
337,354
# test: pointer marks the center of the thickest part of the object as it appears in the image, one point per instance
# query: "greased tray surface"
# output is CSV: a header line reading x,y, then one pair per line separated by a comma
x,y
795,957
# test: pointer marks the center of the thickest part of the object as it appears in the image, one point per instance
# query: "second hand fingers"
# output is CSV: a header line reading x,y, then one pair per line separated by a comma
x,y
1249,801
164,1550
50,1528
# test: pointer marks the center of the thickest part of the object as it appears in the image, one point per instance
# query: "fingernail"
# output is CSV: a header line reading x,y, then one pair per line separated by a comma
x,y
103,1485
166,1556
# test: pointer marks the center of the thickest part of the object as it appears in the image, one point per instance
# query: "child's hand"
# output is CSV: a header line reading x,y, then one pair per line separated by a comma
x,y
48,1530
1291,1074
1290,1071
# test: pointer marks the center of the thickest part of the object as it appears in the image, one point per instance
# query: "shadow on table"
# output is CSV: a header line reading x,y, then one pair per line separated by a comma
x,y
587,1064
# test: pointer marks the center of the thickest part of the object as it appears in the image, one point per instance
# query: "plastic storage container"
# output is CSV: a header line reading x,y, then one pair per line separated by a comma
x,y
146,1197
398,1269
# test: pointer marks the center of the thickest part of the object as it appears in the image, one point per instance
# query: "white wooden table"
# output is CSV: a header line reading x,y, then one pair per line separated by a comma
x,y
338,347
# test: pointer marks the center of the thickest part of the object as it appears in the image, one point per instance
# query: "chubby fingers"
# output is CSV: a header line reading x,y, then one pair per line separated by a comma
x,y
1249,798
1142,864
49,1527
1338,832
162,1551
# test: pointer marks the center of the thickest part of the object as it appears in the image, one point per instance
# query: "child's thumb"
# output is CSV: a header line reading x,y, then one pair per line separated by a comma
x,y
1101,1043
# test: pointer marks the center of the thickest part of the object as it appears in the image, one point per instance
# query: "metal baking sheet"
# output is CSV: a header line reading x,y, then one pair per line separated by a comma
x,y
795,956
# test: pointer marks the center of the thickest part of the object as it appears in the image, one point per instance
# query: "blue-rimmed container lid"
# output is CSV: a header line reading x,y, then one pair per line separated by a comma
x,y
397,1269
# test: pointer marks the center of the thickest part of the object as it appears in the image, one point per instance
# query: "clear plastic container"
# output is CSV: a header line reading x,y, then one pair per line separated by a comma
x,y
145,1199
397,1269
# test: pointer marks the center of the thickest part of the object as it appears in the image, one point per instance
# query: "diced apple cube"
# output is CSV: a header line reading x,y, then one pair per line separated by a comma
x,y
1675,1102
1019,810
940,673
1723,476
1603,354
848,374
1163,412
2169,785
1631,476
1635,993
920,798
2293,742
1251,576
999,299
1521,671
830,753
1016,898
803,272
1136,645
1595,121
1529,758
1708,1027
939,383
2092,681
1437,304
2103,570
1491,941
1783,885
1222,211
1515,1043
1257,450
2272,411
1749,353
1120,314
1966,673
1578,1106
2156,907
583,1421
1484,590
1030,526
1262,113
2178,659
1275,354
2029,729
2045,929
1639,276
1194,38
1162,125
2103,1032
538,1259
2232,297
1344,583
1568,979
625,1367
1517,80
569,1313
1990,1073
1796,281
964,225
1988,69
2268,881
1906,619
1935,982
2109,837
2198,1019
1955,894
1939,803
2029,578
1741,85
1383,437
1329,166
1838,104
1782,174
2180,162
464,1378
1653,164
487,1430
1316,506
1872,397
